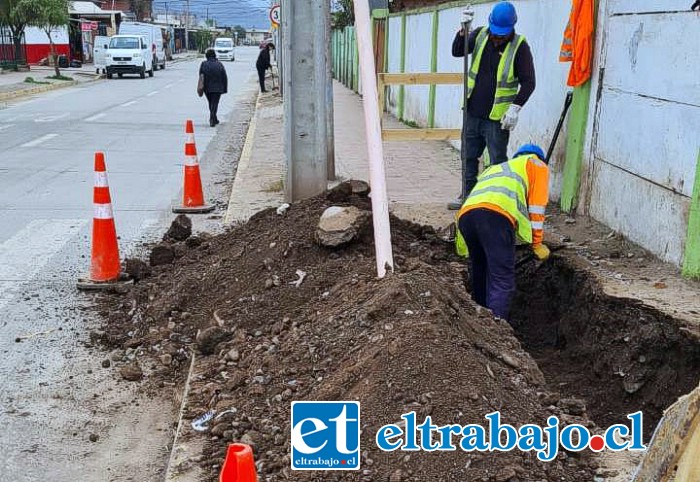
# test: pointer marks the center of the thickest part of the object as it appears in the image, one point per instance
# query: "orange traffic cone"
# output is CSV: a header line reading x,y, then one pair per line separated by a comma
x,y
239,465
105,268
193,196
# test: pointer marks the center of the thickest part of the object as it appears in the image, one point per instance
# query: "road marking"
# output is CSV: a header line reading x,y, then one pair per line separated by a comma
x,y
95,117
40,140
151,94
5,127
127,104
51,118
24,256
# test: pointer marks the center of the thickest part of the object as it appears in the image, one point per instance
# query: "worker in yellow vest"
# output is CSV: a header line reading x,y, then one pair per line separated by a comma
x,y
506,206
501,80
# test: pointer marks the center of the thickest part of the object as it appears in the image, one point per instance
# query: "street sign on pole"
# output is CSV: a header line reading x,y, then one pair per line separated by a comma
x,y
275,15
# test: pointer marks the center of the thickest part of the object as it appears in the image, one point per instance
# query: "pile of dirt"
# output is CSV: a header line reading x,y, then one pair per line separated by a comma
x,y
274,317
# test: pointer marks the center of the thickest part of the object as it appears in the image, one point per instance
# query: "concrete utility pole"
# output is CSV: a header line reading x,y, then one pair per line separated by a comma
x,y
305,97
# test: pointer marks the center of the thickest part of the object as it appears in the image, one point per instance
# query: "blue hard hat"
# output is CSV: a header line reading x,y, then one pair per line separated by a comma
x,y
502,19
531,149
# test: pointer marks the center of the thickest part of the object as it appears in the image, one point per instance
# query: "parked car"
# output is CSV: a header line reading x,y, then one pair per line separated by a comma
x,y
154,38
225,49
128,54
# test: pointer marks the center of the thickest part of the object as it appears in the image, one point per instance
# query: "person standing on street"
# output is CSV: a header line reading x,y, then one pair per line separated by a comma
x,y
501,80
214,82
263,64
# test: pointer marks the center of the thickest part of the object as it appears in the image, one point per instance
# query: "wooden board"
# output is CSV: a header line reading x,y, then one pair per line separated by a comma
x,y
673,451
424,78
421,134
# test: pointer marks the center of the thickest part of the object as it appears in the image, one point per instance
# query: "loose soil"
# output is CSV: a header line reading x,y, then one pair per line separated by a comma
x,y
411,342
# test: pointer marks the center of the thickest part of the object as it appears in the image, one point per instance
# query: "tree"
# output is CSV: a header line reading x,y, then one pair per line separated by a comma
x,y
16,15
240,31
343,13
50,15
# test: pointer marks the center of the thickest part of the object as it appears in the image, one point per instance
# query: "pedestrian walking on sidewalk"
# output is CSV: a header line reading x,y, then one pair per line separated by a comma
x,y
263,64
506,205
214,83
501,80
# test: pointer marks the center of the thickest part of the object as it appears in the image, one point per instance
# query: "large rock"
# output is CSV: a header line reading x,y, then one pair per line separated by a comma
x,y
132,372
359,188
180,229
341,225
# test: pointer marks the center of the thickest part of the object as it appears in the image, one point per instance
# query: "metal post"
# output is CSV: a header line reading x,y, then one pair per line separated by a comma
x,y
187,24
306,145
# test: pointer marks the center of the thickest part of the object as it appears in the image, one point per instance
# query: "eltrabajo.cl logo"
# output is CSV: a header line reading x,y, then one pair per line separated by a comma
x,y
325,435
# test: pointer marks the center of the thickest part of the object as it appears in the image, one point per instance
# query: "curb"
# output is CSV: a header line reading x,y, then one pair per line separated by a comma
x,y
179,454
5,96
244,160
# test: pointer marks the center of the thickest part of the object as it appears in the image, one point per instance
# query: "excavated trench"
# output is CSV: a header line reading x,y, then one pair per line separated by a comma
x,y
617,355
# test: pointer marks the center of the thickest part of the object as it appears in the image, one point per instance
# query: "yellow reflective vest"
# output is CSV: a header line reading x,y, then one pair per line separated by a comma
x,y
506,82
507,188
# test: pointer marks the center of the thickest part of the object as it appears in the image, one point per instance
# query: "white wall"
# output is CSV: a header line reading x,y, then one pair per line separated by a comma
x,y
36,36
542,22
646,133
643,132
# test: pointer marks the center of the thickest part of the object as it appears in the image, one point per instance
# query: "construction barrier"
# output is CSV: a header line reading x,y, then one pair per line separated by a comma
x,y
105,267
193,195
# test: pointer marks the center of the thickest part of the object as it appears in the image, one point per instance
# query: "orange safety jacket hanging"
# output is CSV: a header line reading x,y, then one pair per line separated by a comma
x,y
577,46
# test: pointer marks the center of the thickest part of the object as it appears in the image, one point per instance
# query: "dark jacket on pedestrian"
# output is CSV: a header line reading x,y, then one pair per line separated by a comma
x,y
263,62
484,93
215,79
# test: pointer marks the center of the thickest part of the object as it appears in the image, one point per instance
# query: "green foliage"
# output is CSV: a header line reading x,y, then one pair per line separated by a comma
x,y
59,77
239,30
32,80
411,124
203,39
342,13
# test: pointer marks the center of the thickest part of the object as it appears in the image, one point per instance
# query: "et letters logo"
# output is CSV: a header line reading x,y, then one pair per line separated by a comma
x,y
325,435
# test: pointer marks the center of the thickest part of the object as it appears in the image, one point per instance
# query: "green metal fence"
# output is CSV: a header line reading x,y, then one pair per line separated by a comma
x,y
345,57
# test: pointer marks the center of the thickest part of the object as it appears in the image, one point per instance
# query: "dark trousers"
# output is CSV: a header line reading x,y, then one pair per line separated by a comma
x,y
479,134
261,78
490,237
213,98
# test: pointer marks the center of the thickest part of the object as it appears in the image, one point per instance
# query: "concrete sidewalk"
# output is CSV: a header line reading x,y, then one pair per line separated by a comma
x,y
14,85
422,177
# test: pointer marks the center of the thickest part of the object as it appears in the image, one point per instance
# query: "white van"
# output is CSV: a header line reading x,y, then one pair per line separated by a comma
x,y
128,54
153,35
225,49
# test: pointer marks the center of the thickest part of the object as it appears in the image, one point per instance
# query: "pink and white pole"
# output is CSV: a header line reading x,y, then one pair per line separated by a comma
x,y
377,175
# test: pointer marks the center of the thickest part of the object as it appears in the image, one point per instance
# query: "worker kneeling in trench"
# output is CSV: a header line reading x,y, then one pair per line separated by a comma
x,y
507,205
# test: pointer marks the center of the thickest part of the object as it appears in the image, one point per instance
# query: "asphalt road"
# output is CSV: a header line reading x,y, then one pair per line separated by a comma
x,y
54,392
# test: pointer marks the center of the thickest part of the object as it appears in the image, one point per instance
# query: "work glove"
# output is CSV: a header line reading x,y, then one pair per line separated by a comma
x,y
468,14
541,251
510,120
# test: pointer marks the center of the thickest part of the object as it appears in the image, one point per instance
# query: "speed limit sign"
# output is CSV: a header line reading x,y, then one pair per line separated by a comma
x,y
275,15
